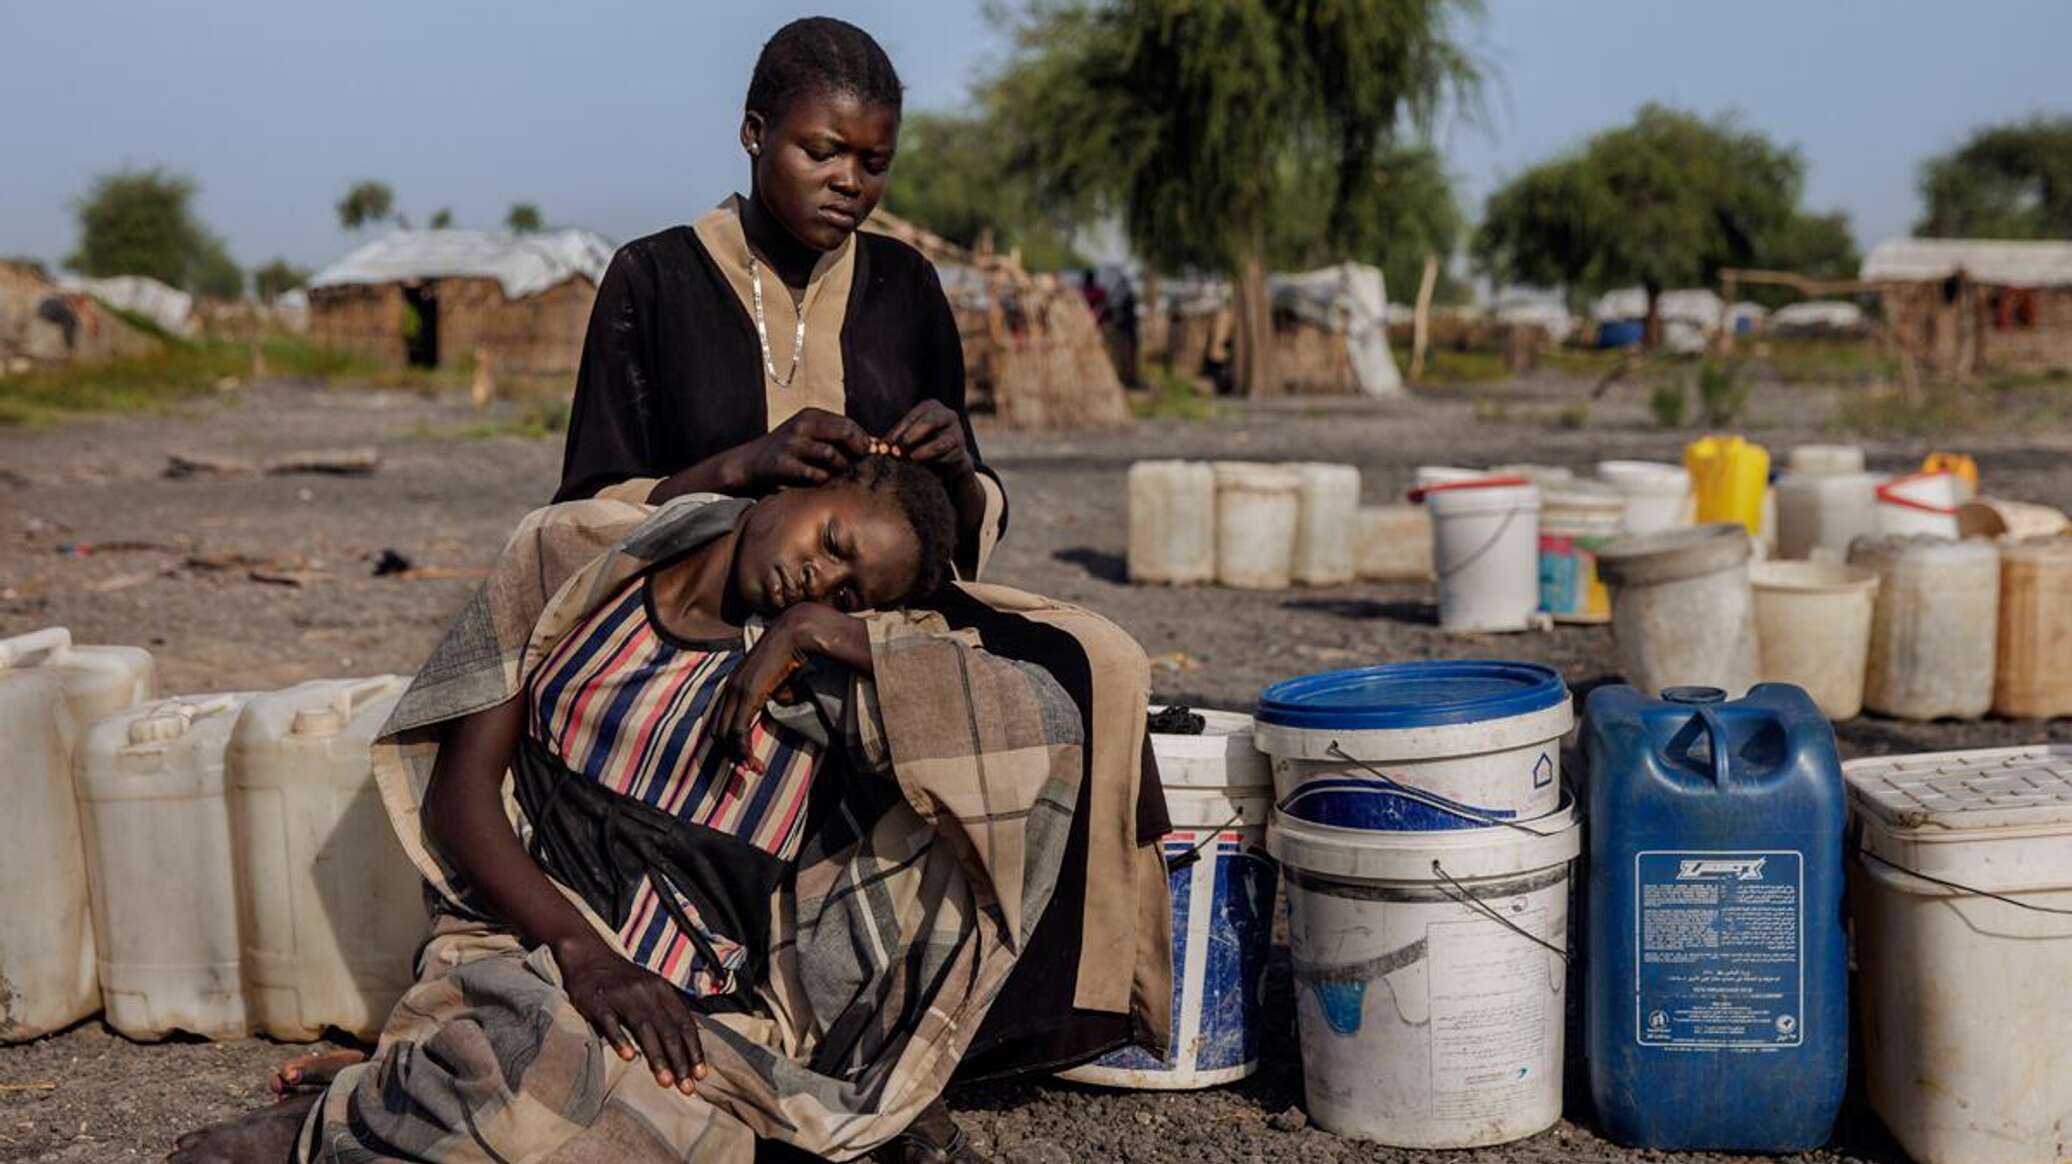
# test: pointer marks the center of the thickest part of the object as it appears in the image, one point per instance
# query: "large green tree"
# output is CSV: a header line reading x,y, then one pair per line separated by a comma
x,y
276,277
954,176
523,218
142,222
1818,246
1187,117
2008,181
366,203
1664,202
1406,212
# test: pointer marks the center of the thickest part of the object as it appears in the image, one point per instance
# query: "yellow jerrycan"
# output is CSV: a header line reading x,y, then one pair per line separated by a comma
x,y
1729,477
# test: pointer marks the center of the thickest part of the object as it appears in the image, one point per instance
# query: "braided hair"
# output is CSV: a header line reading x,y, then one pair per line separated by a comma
x,y
821,54
924,503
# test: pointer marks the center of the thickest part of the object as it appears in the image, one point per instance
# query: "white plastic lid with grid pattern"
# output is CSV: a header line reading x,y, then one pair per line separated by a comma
x,y
1988,788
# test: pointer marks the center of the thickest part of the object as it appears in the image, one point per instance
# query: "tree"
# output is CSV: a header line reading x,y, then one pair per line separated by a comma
x,y
142,222
2008,181
1405,212
1818,246
523,218
442,218
954,177
366,203
1188,118
1664,202
272,280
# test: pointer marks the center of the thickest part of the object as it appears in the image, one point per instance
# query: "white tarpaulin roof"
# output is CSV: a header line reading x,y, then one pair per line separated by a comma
x,y
1835,313
170,309
1524,305
523,264
1348,299
2009,264
1695,305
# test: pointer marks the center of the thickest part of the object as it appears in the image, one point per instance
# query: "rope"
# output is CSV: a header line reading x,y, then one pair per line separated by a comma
x,y
1463,897
1429,800
2001,897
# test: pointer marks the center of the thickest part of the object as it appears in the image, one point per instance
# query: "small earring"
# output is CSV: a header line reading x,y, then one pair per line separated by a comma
x,y
754,150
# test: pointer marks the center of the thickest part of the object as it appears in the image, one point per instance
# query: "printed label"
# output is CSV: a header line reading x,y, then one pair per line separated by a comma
x,y
1489,998
1718,940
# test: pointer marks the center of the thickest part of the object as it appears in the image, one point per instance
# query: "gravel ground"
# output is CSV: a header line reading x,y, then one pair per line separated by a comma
x,y
172,567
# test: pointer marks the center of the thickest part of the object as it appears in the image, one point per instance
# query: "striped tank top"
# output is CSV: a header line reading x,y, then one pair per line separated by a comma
x,y
625,704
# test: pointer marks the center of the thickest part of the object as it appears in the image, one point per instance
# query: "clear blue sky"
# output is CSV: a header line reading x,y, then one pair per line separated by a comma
x,y
620,115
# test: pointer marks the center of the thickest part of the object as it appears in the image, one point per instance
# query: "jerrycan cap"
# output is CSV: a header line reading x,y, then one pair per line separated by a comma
x,y
1693,695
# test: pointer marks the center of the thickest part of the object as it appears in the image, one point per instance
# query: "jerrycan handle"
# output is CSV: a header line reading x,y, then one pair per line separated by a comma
x,y
36,645
1700,700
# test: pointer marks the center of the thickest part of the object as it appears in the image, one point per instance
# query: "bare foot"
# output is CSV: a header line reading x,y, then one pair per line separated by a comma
x,y
312,1073
265,1136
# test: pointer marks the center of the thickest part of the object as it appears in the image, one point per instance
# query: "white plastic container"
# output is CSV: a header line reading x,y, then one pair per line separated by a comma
x,y
1172,522
1935,629
1658,495
156,823
1921,503
46,940
1822,460
1967,1037
1393,543
1818,515
1577,520
1418,746
1543,476
331,910
1682,609
1218,791
2033,674
1324,533
1257,508
1429,978
1485,551
97,680
51,691
1813,628
1426,476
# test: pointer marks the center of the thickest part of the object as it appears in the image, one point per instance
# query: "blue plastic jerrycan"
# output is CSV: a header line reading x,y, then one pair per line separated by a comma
x,y
1716,990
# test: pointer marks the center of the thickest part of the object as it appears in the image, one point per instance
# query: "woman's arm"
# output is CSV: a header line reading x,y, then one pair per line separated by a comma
x,y
803,632
464,817
937,431
809,448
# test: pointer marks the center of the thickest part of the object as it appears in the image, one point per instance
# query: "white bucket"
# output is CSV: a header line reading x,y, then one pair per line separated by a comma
x,y
1967,1038
1824,460
1218,791
1257,509
1485,550
1920,503
1459,743
1682,610
1819,514
1813,628
1427,476
1576,521
1425,1021
1658,495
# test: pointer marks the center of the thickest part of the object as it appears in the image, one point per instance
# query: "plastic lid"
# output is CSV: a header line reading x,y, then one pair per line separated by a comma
x,y
1693,695
1985,788
1672,554
1410,695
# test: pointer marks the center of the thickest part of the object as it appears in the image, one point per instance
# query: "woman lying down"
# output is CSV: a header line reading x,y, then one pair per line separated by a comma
x,y
764,862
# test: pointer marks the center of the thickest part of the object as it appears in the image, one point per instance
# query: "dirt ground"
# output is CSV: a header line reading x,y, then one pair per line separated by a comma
x,y
248,582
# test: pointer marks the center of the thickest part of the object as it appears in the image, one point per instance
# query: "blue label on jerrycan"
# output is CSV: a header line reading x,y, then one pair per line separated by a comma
x,y
1716,983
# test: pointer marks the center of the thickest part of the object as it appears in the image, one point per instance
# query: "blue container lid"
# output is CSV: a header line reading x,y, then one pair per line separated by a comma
x,y
1412,695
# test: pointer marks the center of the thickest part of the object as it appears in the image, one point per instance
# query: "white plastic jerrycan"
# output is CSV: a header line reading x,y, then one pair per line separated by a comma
x,y
332,910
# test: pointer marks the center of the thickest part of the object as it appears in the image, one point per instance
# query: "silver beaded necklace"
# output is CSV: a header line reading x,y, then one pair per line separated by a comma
x,y
762,330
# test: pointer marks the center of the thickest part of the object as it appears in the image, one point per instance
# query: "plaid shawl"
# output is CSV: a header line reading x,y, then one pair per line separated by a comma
x,y
890,947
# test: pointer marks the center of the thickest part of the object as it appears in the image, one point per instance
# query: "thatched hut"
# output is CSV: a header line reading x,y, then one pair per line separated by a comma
x,y
43,323
437,298
1033,354
1967,306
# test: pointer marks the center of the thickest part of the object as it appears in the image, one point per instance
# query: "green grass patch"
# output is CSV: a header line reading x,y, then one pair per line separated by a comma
x,y
1812,361
1170,395
1445,367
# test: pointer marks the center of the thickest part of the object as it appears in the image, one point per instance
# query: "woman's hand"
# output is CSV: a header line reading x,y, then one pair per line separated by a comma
x,y
631,1006
931,434
802,631
809,449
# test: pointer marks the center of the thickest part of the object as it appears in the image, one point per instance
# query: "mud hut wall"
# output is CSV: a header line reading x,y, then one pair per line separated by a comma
x,y
1311,360
2024,330
363,320
538,335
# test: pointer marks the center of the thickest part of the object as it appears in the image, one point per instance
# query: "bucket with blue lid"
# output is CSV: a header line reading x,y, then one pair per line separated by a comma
x,y
1421,746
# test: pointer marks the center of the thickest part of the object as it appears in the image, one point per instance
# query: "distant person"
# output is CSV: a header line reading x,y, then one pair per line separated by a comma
x,y
1096,296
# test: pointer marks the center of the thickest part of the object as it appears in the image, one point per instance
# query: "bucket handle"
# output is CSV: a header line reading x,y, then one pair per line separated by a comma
x,y
1464,896
1181,861
51,640
1961,888
1416,496
1426,798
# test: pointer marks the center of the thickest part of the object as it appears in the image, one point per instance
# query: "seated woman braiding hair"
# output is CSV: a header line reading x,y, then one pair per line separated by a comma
x,y
702,917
